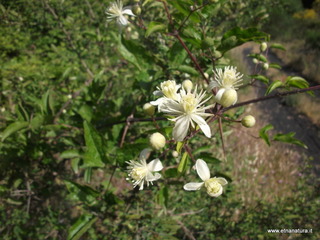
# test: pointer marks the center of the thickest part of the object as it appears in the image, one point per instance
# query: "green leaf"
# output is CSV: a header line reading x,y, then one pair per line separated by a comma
x,y
187,69
37,122
155,27
94,155
179,146
274,65
72,153
289,138
86,112
12,128
273,86
263,133
182,167
278,46
260,57
162,196
183,7
81,226
177,55
297,82
261,78
208,158
82,193
237,36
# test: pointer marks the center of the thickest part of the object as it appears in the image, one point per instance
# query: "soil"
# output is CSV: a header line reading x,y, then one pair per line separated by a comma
x,y
286,118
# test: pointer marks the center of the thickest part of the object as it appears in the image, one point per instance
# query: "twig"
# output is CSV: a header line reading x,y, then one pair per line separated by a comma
x,y
186,147
186,230
189,15
277,95
222,140
194,60
125,131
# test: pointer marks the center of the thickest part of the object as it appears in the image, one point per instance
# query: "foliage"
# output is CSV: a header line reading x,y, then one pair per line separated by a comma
x,y
72,91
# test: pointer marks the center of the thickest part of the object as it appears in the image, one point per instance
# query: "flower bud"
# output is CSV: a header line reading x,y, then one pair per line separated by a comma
x,y
263,46
229,98
248,121
187,85
136,10
265,66
206,75
175,154
157,141
185,75
69,96
148,109
255,61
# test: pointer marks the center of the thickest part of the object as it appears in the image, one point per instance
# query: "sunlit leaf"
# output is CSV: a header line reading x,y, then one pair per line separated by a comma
x,y
263,133
273,86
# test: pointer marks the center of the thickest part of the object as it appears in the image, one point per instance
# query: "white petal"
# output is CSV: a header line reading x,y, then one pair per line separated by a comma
x,y
202,124
127,10
213,84
202,170
192,186
157,93
222,181
155,165
122,20
181,128
235,99
152,177
216,194
145,153
219,94
157,102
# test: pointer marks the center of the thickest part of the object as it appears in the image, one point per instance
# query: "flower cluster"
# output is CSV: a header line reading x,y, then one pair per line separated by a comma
x,y
186,108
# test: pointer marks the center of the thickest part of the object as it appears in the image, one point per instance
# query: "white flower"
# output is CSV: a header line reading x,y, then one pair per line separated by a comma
x,y
117,11
187,111
213,185
226,79
168,90
141,172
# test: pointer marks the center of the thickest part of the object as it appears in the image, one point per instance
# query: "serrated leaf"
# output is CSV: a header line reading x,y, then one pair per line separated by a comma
x,y
261,78
12,128
182,167
263,133
94,155
155,27
273,86
278,46
297,82
81,226
289,138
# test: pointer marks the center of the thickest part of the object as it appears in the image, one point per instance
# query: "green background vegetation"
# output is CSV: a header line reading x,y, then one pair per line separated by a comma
x,y
69,80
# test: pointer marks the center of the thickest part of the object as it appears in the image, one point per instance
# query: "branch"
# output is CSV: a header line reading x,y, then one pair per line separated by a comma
x,y
277,95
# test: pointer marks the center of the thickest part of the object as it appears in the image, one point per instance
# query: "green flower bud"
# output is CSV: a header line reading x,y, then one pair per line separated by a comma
x,y
265,66
255,61
148,109
229,98
187,85
136,10
248,121
263,46
206,75
157,141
